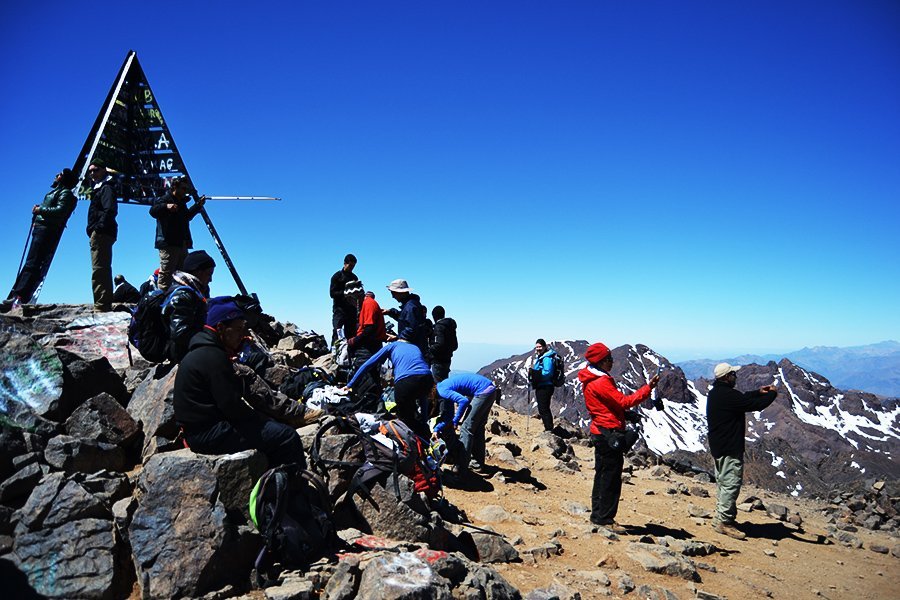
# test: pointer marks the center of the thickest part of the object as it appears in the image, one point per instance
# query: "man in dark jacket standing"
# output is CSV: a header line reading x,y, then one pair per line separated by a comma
x,y
207,397
173,228
442,343
49,221
102,230
410,316
343,314
725,415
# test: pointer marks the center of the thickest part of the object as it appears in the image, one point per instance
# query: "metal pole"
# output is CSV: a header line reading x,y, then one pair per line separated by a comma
x,y
25,249
221,247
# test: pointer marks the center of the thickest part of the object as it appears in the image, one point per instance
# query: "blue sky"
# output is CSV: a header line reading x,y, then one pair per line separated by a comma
x,y
706,178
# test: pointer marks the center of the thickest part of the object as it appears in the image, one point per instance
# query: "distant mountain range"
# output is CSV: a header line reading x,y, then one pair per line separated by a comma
x,y
874,368
813,438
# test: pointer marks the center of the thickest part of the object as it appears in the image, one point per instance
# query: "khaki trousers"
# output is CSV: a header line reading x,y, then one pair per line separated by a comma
x,y
171,258
101,269
729,478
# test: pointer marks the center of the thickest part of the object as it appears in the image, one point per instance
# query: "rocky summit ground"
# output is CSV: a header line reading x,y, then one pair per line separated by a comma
x,y
545,515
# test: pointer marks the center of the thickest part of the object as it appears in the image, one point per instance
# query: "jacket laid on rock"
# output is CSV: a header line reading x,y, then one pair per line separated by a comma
x,y
186,312
443,342
543,370
207,390
56,208
173,228
103,209
604,400
725,415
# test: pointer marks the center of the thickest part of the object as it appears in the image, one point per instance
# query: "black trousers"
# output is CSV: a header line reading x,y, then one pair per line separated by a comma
x,y
44,241
607,481
279,442
440,370
411,396
345,319
542,395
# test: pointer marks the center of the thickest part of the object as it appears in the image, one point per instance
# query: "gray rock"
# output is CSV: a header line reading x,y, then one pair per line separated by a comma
x,y
20,484
473,580
688,547
237,474
55,502
151,406
493,513
31,378
108,487
657,559
401,576
555,591
292,588
344,582
544,551
646,592
383,514
703,477
659,471
78,559
699,511
122,512
597,578
181,543
879,548
700,492
701,595
71,454
624,583
343,447
103,419
493,548
576,509
83,378
777,511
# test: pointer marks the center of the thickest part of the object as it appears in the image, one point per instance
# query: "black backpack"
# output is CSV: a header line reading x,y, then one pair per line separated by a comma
x,y
301,384
291,508
148,330
559,370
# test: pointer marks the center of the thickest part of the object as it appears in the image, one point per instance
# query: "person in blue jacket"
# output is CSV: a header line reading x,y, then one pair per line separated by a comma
x,y
476,393
541,377
412,382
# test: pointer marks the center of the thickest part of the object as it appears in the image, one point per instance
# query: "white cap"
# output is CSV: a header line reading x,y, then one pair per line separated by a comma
x,y
723,369
399,285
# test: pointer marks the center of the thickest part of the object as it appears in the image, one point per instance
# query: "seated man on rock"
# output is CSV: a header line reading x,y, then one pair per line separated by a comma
x,y
208,403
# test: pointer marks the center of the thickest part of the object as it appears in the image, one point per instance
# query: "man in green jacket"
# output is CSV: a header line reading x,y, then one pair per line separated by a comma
x,y
49,221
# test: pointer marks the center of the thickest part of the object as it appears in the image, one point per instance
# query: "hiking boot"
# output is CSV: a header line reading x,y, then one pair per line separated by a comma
x,y
311,415
6,305
728,529
610,525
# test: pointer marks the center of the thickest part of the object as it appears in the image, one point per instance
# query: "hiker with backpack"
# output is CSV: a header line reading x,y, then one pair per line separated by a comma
x,y
473,394
173,228
207,396
412,382
726,410
546,372
185,308
410,317
442,343
606,405
343,315
49,219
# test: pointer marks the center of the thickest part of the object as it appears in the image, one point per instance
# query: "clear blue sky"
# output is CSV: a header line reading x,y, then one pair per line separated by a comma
x,y
706,178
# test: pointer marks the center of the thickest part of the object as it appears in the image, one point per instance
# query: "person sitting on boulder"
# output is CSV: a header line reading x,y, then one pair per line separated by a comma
x,y
207,396
124,291
186,308
412,383
465,391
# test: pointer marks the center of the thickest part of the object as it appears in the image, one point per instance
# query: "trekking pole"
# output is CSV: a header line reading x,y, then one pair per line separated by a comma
x,y
218,241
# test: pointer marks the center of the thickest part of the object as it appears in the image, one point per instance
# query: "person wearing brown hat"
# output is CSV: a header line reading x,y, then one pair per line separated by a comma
x,y
49,219
726,410
185,308
102,230
606,405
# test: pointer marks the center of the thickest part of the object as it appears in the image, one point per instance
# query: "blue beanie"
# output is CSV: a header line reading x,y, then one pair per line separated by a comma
x,y
221,309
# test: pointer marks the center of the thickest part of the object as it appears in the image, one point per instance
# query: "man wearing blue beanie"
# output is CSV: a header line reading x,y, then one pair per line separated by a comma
x,y
208,403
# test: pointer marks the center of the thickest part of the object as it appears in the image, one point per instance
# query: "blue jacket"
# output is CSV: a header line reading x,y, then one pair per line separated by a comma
x,y
460,389
406,358
544,366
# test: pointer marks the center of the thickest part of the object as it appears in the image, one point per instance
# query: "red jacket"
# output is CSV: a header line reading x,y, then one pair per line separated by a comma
x,y
604,400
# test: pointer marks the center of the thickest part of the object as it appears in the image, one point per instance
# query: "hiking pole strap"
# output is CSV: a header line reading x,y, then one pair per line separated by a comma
x,y
221,247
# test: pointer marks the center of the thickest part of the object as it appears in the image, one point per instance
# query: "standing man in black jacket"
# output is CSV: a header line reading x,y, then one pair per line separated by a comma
x,y
442,344
725,415
207,396
173,228
343,314
102,230
49,221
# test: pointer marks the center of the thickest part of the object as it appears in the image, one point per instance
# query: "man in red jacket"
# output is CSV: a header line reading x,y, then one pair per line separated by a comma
x,y
607,407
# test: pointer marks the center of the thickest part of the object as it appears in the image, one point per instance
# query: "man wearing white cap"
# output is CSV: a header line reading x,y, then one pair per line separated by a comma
x,y
410,316
725,415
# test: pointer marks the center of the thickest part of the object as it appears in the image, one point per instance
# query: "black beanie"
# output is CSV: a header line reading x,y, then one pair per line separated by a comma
x,y
196,261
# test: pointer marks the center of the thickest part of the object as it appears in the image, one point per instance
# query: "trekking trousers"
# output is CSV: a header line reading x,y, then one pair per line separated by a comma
x,y
542,396
171,258
729,478
279,442
440,370
101,269
607,480
471,432
44,241
411,396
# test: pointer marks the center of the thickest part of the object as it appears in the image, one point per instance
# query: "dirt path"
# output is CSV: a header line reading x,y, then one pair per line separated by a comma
x,y
774,561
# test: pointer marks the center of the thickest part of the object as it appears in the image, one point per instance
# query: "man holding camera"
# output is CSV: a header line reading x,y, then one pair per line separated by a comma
x,y
607,405
725,415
